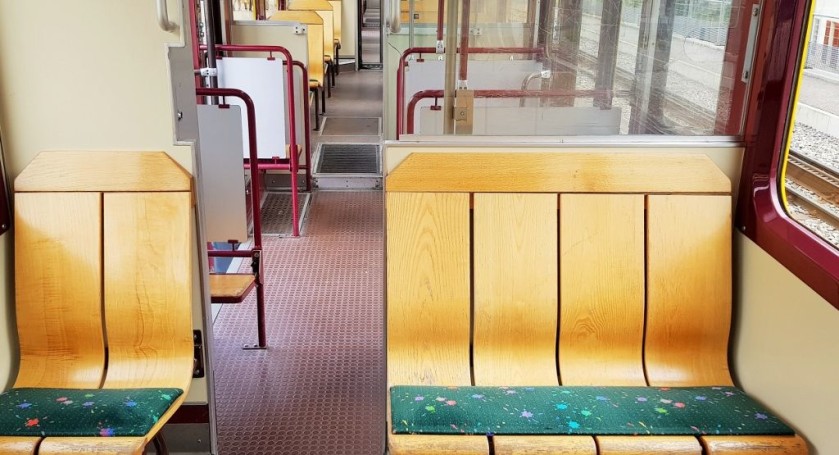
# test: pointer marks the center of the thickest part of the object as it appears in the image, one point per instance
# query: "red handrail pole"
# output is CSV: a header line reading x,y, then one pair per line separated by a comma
x,y
306,125
400,74
256,251
291,113
230,254
289,73
507,94
464,40
196,45
413,104
441,5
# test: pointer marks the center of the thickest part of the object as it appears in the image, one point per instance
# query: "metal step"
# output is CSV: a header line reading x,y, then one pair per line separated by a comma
x,y
348,166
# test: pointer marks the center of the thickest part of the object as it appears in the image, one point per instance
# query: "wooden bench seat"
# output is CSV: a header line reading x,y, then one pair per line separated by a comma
x,y
317,66
561,269
326,11
231,287
103,290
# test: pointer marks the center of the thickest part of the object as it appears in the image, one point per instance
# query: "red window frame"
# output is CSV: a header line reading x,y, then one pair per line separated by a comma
x,y
760,212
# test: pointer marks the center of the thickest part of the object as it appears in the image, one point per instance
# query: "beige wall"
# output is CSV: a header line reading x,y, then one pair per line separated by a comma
x,y
786,346
83,75
349,28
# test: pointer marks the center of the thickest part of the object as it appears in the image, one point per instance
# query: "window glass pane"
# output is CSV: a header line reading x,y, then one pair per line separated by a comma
x,y
585,67
811,171
244,10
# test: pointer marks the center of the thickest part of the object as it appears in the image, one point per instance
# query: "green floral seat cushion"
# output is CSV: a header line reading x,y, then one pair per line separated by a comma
x,y
82,412
580,411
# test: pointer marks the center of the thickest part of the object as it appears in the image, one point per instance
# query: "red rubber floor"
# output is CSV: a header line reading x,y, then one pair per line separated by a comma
x,y
319,387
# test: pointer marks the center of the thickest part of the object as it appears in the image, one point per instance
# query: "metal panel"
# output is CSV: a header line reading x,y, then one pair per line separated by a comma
x,y
264,81
221,174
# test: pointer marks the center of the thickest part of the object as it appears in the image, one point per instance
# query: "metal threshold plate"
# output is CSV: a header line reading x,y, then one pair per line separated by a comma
x,y
351,126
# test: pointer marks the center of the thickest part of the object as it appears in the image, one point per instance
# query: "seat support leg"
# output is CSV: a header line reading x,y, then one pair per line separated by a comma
x,y
160,444
317,110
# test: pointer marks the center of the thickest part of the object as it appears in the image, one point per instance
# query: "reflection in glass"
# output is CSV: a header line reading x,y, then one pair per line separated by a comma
x,y
581,67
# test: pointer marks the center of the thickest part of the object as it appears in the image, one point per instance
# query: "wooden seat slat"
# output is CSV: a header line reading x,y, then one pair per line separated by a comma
x,y
13,445
230,287
515,274
148,292
601,332
437,445
557,172
544,445
100,446
754,445
647,445
58,269
102,171
428,272
688,290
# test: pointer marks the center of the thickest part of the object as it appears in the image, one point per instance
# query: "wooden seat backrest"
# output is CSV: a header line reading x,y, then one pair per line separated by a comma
x,y
104,237
314,23
558,268
337,17
323,9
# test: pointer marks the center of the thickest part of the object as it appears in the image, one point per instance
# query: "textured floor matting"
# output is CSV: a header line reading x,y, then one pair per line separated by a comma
x,y
319,388
349,159
351,126
277,210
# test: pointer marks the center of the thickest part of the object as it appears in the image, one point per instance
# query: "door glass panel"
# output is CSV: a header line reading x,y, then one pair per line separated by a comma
x,y
812,167
578,67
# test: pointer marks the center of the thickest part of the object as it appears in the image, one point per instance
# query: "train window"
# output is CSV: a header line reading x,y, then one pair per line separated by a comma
x,y
811,179
244,10
579,67
785,129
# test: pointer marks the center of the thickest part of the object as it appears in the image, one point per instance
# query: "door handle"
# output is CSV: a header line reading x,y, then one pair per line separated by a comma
x,y
394,22
163,17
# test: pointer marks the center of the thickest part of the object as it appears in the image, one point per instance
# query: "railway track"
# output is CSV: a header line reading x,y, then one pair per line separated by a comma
x,y
814,187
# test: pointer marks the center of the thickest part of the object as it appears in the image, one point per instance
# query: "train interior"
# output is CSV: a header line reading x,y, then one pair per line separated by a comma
x,y
301,123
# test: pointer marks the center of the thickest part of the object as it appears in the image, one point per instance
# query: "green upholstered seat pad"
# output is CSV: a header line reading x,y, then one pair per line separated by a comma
x,y
82,412
580,411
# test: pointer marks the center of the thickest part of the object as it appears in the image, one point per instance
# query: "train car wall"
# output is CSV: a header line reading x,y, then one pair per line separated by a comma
x,y
786,345
90,75
785,341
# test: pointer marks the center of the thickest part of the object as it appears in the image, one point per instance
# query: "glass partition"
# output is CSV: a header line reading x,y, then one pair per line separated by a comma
x,y
573,67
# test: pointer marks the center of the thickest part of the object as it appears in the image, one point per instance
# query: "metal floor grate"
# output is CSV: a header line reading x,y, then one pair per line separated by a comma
x,y
276,213
349,159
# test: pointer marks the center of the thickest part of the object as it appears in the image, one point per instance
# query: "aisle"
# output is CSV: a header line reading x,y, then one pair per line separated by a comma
x,y
319,388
